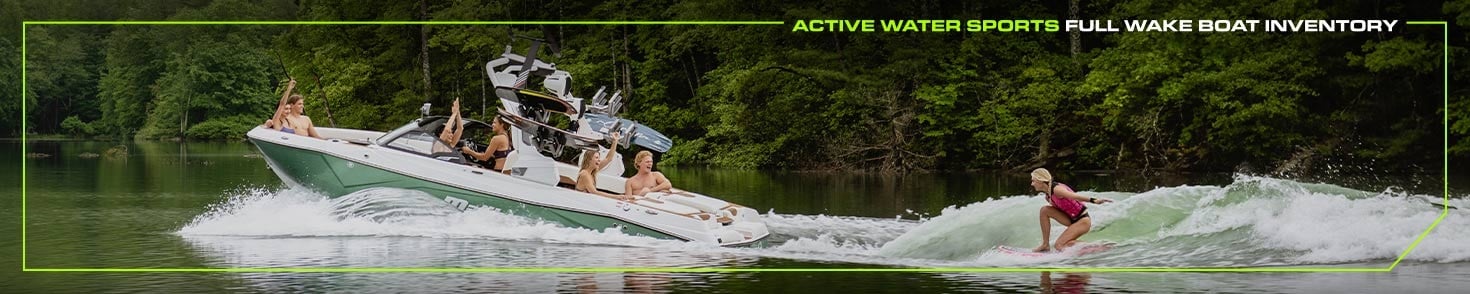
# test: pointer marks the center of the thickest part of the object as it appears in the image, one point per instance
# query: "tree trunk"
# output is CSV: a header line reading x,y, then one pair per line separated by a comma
x,y
184,116
1073,12
484,78
424,48
627,66
1043,150
691,74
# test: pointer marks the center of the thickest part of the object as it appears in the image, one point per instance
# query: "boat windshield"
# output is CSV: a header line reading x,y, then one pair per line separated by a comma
x,y
420,137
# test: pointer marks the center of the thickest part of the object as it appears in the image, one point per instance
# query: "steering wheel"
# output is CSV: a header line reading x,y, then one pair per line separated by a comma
x,y
471,144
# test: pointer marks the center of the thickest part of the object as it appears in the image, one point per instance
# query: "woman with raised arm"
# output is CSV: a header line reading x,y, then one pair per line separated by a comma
x,y
587,176
291,116
275,122
453,129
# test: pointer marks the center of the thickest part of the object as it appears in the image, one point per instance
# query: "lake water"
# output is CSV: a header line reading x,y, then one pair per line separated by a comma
x,y
216,205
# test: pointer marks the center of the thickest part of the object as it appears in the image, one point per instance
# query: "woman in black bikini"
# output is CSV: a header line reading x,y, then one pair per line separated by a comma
x,y
499,146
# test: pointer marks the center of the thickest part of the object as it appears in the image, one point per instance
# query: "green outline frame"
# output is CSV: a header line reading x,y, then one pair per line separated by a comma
x,y
24,143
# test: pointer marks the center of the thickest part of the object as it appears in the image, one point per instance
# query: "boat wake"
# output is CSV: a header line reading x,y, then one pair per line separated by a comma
x,y
1252,222
390,205
381,212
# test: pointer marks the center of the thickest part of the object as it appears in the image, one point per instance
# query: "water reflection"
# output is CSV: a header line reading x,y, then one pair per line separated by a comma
x,y
417,252
633,282
422,252
1069,283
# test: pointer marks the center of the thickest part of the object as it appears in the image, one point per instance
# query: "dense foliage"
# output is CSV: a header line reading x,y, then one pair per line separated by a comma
x,y
764,97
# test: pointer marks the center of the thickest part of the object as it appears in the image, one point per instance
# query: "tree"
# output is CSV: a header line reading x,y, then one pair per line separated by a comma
x,y
60,77
10,110
132,66
1459,109
219,73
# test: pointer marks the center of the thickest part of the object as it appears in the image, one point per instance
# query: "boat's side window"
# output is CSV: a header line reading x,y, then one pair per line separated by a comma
x,y
442,151
427,145
416,142
421,138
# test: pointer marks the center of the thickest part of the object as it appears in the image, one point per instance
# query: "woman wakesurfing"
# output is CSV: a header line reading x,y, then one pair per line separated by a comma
x,y
1065,206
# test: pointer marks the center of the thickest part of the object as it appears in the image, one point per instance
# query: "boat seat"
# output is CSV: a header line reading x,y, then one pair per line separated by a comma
x,y
668,207
566,183
709,205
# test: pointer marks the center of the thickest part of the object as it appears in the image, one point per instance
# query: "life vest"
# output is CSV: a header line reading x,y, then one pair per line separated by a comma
x,y
1070,206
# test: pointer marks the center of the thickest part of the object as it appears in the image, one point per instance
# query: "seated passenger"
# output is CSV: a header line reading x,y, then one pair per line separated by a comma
x,y
587,176
453,129
499,146
646,180
290,116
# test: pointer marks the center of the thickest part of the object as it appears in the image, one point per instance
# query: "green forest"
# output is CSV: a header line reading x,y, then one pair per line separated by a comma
x,y
761,96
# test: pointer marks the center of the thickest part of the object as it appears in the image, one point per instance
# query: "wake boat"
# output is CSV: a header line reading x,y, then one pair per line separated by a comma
x,y
534,184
